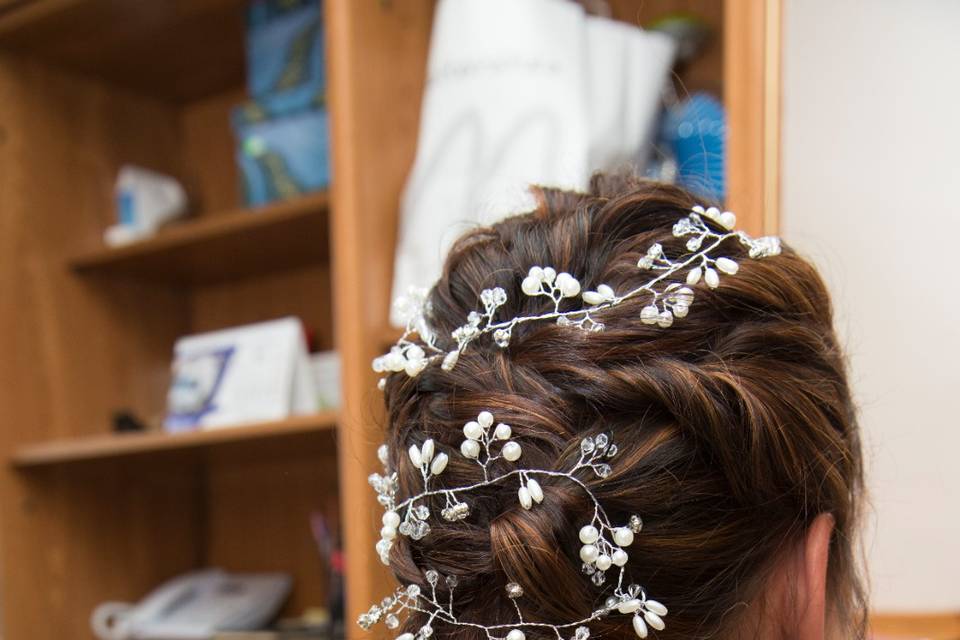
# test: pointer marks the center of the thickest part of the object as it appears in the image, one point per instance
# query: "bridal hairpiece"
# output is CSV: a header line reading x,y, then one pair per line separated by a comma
x,y
603,543
666,301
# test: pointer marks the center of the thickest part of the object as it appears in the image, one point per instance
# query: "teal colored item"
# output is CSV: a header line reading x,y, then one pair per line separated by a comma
x,y
285,61
695,130
282,157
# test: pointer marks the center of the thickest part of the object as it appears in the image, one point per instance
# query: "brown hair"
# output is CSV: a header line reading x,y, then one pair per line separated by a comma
x,y
735,425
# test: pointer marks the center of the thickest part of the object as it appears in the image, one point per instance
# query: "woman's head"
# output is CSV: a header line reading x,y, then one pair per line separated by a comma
x,y
735,429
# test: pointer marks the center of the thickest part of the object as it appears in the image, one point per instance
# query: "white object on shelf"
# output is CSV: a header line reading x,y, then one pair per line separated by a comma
x,y
325,367
195,606
145,201
255,373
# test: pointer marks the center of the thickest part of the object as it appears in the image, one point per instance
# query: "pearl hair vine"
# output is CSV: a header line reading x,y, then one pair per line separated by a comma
x,y
666,301
603,544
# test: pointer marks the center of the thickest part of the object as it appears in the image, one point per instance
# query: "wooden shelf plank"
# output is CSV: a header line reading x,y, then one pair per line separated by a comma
x,y
159,49
115,445
222,246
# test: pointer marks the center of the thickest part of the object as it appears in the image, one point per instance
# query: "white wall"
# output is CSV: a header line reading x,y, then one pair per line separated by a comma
x,y
871,170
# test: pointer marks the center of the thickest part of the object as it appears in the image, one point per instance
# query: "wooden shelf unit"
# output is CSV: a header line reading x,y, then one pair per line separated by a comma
x,y
101,447
89,85
222,246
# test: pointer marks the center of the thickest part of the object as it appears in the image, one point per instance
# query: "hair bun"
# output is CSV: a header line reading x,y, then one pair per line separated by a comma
x,y
735,427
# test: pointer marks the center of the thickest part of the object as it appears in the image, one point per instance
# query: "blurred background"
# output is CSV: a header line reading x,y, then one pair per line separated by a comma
x,y
206,207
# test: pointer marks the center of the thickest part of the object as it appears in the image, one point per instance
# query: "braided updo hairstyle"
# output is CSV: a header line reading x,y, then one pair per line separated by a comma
x,y
735,426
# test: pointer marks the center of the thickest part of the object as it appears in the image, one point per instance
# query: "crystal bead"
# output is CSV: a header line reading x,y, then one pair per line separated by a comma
x,y
634,590
587,445
602,441
392,621
513,590
598,578
413,590
432,577
406,528
603,470
612,450
426,631
451,581
502,338
422,512
588,569
635,523
420,530
582,633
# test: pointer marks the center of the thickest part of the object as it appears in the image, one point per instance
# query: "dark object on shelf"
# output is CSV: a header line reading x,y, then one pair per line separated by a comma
x,y
125,421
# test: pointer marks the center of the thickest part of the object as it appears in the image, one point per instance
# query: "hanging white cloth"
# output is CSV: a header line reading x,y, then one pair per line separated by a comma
x,y
519,92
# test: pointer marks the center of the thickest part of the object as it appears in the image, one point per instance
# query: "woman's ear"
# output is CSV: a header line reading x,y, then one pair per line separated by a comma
x,y
810,569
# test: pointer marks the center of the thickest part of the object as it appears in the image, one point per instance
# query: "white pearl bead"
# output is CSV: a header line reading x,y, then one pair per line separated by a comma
x,y
568,285
470,448
603,562
405,636
526,500
649,314
589,553
388,533
536,492
656,607
391,519
503,432
589,534
415,352
693,276
623,536
727,265
536,272
512,451
712,278
619,557
530,285
415,457
549,274
728,219
485,419
606,291
629,606
592,297
654,620
640,626
426,451
473,430
439,464
414,367
516,634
